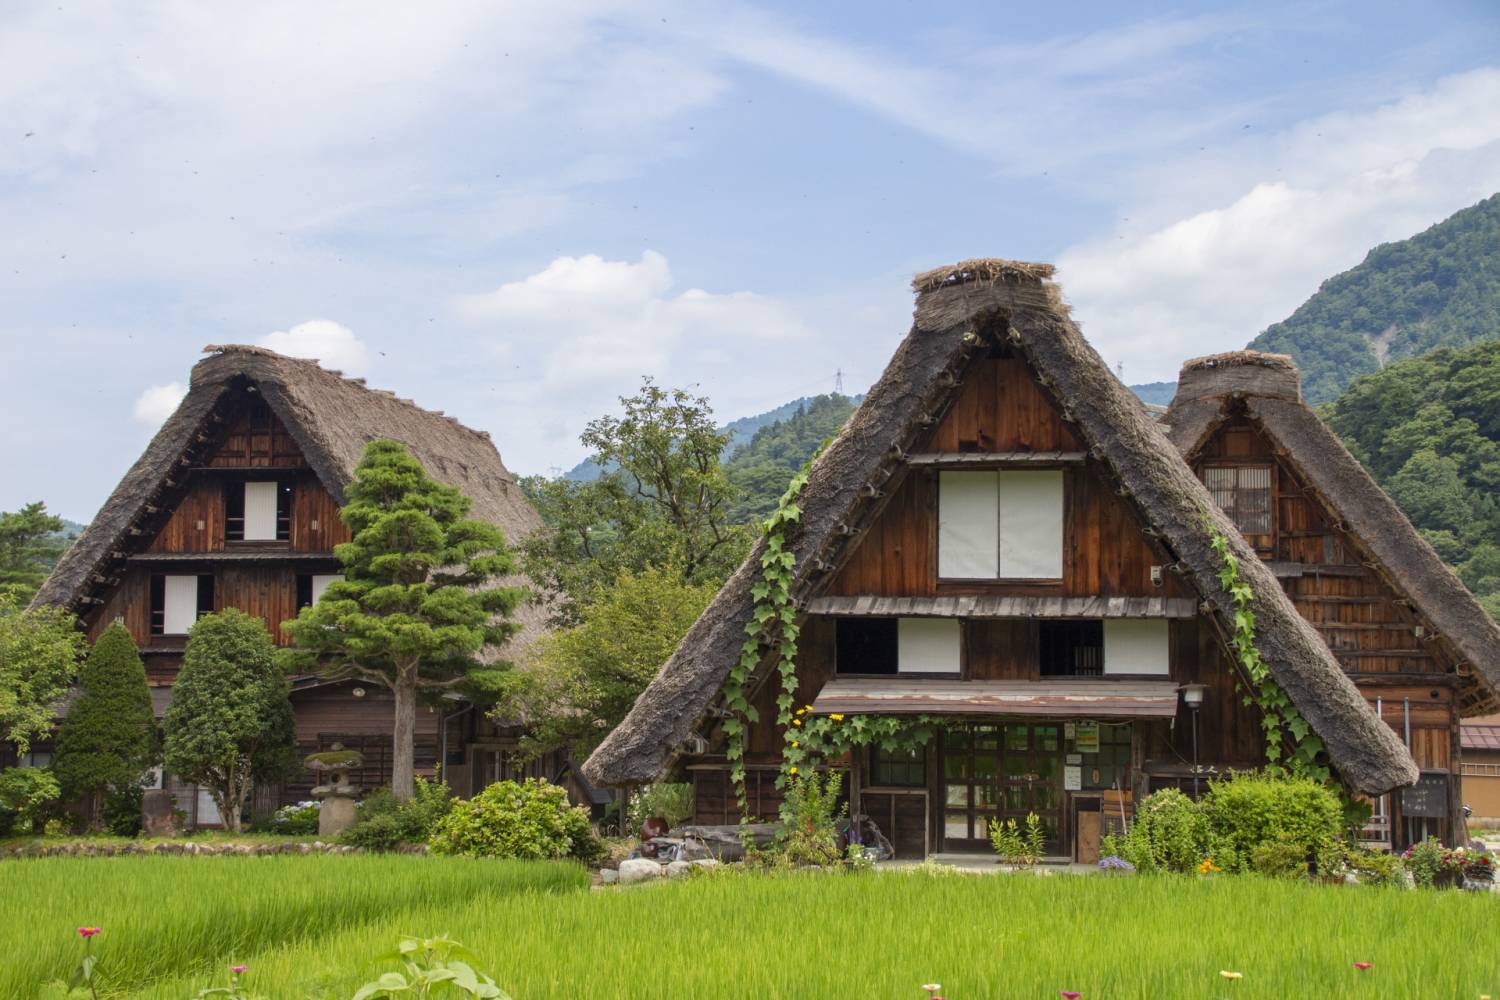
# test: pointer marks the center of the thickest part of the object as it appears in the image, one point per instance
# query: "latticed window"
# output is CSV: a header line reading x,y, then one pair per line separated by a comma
x,y
1244,493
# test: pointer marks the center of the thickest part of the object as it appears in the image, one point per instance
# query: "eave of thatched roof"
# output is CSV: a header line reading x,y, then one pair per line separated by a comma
x,y
922,376
331,418
1214,386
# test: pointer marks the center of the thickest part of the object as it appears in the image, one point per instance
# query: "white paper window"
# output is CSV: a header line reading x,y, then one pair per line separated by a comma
x,y
927,646
320,583
1135,646
1031,525
968,526
260,512
179,604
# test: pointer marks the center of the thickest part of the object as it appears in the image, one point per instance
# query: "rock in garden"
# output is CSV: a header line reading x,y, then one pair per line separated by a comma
x,y
677,869
609,876
638,870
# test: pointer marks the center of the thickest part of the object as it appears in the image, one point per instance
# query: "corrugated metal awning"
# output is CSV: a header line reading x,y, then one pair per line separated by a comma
x,y
1005,607
1061,697
1480,737
994,459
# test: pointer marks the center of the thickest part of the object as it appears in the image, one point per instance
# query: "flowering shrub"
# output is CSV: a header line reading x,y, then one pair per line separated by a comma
x,y
507,820
1430,863
809,814
1015,847
298,820
1169,833
1113,864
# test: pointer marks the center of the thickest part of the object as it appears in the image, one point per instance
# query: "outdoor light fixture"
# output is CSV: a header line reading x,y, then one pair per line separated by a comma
x,y
1192,697
359,692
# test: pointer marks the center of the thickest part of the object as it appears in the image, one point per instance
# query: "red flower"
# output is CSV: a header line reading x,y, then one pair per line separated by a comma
x,y
87,932
1361,966
1070,994
238,970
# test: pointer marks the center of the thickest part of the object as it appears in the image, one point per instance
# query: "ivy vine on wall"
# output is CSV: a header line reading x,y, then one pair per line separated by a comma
x,y
1284,725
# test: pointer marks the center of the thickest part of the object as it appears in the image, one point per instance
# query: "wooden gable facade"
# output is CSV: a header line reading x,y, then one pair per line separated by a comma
x,y
1284,503
1001,538
1077,747
236,505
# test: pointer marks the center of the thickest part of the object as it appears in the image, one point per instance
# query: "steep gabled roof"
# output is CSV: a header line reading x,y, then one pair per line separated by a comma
x,y
331,418
1268,388
953,304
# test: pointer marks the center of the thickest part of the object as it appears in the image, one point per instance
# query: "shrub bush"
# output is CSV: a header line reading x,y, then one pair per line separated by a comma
x,y
810,812
1169,833
1280,858
531,820
1252,810
122,811
29,793
300,819
1378,868
383,824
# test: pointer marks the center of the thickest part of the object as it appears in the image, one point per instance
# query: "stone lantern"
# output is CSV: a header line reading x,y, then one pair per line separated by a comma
x,y
335,792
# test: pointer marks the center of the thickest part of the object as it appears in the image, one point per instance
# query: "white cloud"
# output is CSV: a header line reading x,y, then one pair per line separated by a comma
x,y
323,340
1291,211
156,404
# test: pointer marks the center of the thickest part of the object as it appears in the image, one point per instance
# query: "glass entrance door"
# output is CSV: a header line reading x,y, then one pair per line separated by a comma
x,y
1001,772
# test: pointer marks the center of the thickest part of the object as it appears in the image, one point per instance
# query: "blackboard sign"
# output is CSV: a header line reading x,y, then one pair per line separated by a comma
x,y
1428,797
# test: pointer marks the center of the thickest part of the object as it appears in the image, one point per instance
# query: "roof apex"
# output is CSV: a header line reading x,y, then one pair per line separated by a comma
x,y
1240,373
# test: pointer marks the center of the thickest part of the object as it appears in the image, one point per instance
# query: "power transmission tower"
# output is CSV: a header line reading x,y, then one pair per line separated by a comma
x,y
838,381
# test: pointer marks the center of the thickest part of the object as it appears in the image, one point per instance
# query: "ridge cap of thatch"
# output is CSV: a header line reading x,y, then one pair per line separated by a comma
x,y
1238,374
918,382
981,269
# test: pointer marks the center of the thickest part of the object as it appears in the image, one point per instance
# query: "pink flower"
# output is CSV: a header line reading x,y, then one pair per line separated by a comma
x,y
1070,994
1362,966
238,970
87,932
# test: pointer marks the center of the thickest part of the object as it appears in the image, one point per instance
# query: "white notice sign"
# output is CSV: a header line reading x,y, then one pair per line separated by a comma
x,y
1072,779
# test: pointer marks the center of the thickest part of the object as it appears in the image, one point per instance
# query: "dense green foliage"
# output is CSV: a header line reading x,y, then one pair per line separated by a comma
x,y
31,541
580,681
1251,822
663,500
1441,288
229,726
383,823
1428,430
530,820
760,469
163,917
813,935
108,739
27,794
668,800
420,602
39,653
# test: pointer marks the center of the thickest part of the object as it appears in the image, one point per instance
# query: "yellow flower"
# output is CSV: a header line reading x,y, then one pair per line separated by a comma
x,y
791,770
837,717
801,711
796,722
1231,975
795,744
1207,867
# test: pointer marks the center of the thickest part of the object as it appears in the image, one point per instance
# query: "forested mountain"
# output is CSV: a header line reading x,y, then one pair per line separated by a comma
x,y
1428,429
1441,288
761,468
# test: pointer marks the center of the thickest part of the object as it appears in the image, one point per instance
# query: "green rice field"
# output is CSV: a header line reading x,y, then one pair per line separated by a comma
x,y
316,926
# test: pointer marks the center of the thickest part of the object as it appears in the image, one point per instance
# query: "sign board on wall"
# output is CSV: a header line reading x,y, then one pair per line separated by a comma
x,y
1086,737
1428,798
1072,778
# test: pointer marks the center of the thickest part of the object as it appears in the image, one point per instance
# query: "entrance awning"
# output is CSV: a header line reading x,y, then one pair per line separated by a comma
x,y
1092,698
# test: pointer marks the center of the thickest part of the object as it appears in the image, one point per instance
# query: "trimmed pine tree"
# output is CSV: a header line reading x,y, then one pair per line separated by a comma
x,y
107,742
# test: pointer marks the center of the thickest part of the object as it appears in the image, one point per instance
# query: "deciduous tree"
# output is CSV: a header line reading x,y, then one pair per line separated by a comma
x,y
229,726
39,653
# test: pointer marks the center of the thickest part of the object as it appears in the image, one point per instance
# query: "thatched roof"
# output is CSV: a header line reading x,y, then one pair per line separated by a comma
x,y
1210,389
920,380
331,418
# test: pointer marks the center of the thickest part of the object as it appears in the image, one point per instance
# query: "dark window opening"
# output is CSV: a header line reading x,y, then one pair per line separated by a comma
x,y
205,595
304,591
158,604
1072,648
234,512
284,512
898,768
1244,493
865,646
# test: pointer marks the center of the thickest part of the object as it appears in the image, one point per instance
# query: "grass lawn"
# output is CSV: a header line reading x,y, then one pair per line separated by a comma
x,y
315,926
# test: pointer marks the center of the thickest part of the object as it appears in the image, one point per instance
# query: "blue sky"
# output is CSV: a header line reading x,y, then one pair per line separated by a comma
x,y
512,212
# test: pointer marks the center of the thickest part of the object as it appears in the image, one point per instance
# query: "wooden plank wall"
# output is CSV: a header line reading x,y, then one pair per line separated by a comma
x,y
315,527
261,443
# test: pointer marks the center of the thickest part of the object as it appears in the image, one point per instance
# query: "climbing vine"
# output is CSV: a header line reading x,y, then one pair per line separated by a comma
x,y
772,626
1283,724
